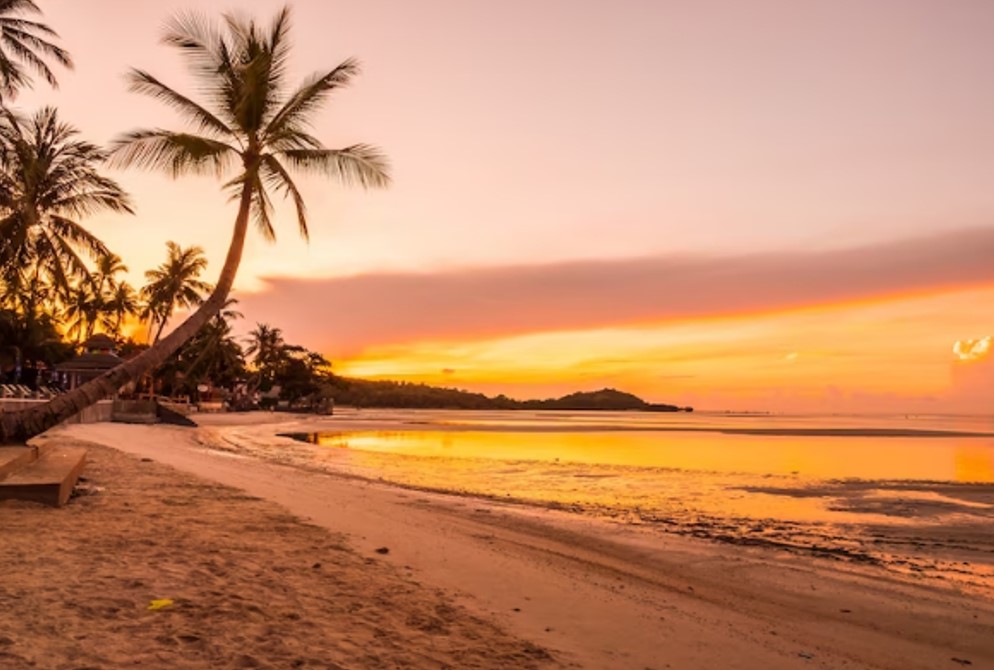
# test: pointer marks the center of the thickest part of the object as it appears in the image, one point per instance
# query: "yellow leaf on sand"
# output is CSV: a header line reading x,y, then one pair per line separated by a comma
x,y
159,604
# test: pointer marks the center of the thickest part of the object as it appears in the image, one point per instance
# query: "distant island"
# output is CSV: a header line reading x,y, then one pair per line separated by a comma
x,y
365,393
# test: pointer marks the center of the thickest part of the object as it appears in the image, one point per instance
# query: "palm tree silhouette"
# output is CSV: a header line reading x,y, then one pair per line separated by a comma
x,y
174,284
250,124
267,348
50,181
24,46
121,303
108,266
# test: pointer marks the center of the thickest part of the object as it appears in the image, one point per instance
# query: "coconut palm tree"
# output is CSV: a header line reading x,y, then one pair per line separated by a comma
x,y
108,266
24,47
267,348
121,303
83,306
110,312
264,342
50,180
174,284
252,132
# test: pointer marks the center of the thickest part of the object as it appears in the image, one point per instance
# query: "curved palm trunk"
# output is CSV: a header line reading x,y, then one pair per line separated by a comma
x,y
25,424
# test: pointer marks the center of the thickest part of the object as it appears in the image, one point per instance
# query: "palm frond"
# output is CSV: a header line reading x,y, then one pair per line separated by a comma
x,y
25,24
277,175
360,164
50,258
24,31
176,153
90,202
12,76
72,232
199,38
262,209
144,83
24,45
279,47
311,95
12,41
292,136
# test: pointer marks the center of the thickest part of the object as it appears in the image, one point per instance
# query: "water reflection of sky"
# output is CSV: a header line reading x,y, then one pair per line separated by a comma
x,y
664,474
717,420
901,500
915,458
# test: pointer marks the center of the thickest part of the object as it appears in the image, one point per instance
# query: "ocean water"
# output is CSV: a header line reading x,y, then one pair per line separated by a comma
x,y
853,487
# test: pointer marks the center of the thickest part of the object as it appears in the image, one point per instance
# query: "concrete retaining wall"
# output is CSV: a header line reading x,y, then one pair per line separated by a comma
x,y
93,414
135,411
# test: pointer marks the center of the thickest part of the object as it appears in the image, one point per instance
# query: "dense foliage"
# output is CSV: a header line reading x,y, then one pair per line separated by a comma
x,y
251,129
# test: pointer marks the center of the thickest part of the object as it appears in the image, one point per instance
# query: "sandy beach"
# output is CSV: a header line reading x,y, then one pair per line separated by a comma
x,y
270,565
250,586
496,335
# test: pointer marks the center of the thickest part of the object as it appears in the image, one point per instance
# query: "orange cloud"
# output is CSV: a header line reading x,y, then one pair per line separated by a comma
x,y
344,316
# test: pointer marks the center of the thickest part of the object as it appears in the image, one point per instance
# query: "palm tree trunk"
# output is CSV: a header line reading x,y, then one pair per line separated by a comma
x,y
20,426
162,325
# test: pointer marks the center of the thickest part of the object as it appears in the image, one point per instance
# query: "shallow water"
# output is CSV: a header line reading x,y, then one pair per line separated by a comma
x,y
867,488
961,459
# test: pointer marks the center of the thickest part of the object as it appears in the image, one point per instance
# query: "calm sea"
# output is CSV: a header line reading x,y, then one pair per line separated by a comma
x,y
851,486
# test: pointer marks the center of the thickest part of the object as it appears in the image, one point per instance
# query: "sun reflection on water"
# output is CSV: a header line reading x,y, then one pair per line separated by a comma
x,y
908,501
912,458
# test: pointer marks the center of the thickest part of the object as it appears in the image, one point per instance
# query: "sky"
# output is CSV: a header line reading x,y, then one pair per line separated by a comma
x,y
736,205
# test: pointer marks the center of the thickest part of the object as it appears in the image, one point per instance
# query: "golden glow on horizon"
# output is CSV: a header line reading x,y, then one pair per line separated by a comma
x,y
897,348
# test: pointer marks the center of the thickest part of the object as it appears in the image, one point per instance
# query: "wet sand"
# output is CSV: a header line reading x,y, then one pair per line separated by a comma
x,y
593,593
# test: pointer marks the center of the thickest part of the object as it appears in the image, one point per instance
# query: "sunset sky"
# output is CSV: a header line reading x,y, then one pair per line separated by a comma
x,y
746,205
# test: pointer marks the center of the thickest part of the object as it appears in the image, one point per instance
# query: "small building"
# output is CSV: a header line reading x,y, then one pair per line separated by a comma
x,y
100,355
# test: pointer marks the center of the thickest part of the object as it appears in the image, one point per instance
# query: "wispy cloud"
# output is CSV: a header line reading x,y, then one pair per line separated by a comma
x,y
345,315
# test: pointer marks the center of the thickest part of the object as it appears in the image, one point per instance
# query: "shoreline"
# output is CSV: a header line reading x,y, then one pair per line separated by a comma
x,y
760,432
604,595
933,530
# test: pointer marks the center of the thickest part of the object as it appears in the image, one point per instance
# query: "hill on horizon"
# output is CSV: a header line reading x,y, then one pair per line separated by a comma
x,y
367,393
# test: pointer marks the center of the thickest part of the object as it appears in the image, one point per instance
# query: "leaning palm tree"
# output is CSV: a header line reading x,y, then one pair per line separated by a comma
x,y
50,181
24,47
174,284
250,124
